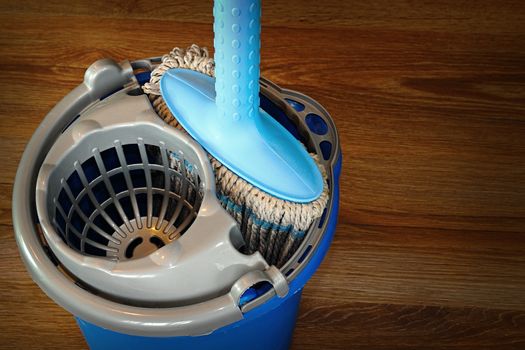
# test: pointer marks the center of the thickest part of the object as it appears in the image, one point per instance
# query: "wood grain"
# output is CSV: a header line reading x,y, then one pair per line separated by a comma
x,y
429,101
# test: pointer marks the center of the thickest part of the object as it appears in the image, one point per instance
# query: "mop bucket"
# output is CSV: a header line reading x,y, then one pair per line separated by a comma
x,y
117,220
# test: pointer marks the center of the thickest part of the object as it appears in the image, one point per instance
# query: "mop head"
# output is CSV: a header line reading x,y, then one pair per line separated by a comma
x,y
270,225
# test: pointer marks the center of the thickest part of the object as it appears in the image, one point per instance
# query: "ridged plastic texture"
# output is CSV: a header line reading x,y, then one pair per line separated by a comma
x,y
123,203
237,41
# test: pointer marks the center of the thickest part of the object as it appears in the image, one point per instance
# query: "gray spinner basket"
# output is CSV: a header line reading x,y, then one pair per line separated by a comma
x,y
125,221
123,200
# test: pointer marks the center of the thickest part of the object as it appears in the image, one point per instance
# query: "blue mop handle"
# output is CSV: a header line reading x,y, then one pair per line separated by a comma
x,y
237,27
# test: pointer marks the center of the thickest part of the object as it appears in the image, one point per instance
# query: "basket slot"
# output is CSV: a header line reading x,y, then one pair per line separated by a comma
x,y
80,213
109,188
167,182
93,200
149,186
179,187
110,159
129,184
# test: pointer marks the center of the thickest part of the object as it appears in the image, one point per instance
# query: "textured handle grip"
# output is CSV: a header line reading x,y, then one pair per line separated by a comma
x,y
237,27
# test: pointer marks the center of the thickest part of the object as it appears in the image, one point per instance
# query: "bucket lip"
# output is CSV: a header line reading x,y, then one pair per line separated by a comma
x,y
102,78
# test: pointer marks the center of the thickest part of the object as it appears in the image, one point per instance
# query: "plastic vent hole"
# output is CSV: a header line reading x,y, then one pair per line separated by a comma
x,y
254,292
86,206
316,124
130,250
132,153
157,241
298,106
323,218
90,169
154,155
77,222
114,215
305,254
110,159
64,202
138,178
100,192
157,179
74,183
124,203
326,149
118,182
142,203
73,241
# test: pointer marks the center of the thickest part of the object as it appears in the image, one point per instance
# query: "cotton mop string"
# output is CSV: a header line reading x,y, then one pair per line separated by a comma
x,y
273,226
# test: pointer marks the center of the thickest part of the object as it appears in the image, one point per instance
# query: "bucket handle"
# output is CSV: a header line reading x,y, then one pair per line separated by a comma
x,y
271,275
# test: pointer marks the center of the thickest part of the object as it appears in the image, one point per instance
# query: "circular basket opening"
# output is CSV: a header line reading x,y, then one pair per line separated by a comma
x,y
126,201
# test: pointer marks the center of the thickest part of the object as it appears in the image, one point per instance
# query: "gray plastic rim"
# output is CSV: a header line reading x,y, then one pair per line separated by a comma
x,y
101,79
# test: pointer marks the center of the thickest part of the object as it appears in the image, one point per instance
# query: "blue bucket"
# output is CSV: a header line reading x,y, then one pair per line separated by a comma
x,y
269,325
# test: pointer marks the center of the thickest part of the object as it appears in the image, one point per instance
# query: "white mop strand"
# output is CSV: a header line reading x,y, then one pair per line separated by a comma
x,y
194,58
258,213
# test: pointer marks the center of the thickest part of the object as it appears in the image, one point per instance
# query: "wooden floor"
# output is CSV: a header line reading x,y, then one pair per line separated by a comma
x,y
429,100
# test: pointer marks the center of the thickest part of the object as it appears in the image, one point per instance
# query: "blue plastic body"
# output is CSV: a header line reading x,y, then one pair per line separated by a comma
x,y
224,114
269,326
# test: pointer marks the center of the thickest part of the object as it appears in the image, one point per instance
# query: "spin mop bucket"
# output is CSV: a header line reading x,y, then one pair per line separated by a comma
x,y
118,220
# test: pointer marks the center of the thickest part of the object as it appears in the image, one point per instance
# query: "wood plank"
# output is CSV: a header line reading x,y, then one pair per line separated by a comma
x,y
383,326
418,266
454,16
429,101
331,308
